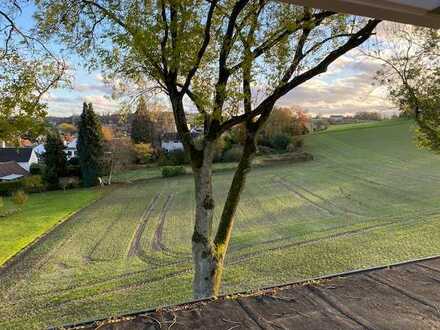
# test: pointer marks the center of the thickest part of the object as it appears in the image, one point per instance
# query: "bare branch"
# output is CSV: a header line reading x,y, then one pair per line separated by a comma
x,y
354,41
202,50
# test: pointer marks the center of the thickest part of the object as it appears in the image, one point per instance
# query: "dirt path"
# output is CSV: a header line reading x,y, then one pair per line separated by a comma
x,y
133,249
156,244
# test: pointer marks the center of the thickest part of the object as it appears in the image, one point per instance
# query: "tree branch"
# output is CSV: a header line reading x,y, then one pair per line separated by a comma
x,y
202,50
354,41
282,33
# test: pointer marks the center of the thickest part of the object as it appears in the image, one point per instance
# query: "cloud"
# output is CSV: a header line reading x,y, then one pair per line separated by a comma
x,y
97,87
346,89
102,103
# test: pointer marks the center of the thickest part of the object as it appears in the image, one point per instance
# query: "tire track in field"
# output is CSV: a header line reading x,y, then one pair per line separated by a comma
x,y
90,284
239,259
42,260
344,209
349,233
134,248
289,187
104,234
393,164
52,306
96,282
360,175
156,244
393,219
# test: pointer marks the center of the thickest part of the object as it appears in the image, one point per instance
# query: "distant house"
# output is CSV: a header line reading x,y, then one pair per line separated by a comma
x,y
40,151
170,142
10,171
335,119
24,157
70,149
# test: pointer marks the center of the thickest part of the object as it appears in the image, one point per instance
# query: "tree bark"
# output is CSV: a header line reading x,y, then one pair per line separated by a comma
x,y
209,254
202,246
224,232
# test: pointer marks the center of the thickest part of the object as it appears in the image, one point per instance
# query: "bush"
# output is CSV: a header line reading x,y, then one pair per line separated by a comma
x,y
143,152
69,183
170,171
74,161
280,141
28,184
232,155
7,188
173,158
296,145
73,171
19,197
33,183
36,169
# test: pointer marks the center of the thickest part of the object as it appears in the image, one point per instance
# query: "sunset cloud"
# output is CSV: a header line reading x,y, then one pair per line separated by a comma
x,y
346,88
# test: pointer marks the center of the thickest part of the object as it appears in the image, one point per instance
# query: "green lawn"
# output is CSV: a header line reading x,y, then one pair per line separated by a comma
x,y
37,216
369,198
154,172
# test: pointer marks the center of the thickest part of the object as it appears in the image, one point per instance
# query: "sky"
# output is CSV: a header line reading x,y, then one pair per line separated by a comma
x,y
347,88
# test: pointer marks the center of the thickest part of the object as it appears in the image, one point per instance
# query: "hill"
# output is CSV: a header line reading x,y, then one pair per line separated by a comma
x,y
369,198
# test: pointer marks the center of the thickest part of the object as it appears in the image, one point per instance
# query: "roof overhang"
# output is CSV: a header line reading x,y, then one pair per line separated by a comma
x,y
416,12
11,177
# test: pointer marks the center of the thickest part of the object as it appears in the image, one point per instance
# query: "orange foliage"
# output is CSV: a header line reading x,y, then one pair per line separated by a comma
x,y
107,133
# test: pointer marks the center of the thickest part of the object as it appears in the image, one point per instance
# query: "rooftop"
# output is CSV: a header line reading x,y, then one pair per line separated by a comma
x,y
19,155
403,296
9,169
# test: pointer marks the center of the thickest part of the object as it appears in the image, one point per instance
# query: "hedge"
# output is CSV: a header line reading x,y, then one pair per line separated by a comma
x,y
28,184
169,171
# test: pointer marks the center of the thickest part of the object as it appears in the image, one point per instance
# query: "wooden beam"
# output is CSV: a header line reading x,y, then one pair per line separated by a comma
x,y
382,9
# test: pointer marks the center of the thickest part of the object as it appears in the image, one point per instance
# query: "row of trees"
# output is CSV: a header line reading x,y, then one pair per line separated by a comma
x,y
90,152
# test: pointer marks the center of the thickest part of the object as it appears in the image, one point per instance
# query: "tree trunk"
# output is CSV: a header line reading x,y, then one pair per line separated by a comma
x,y
226,224
208,255
202,245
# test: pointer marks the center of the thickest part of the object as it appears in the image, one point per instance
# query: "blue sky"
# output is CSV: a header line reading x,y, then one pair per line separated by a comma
x,y
345,89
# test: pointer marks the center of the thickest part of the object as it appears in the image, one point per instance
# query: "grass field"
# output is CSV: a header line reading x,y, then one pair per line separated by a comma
x,y
370,197
37,216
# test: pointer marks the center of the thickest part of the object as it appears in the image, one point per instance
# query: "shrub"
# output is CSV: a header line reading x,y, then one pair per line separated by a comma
x,y
73,161
7,188
36,169
280,141
73,171
232,155
173,158
143,152
33,183
170,171
296,145
69,183
19,197
28,184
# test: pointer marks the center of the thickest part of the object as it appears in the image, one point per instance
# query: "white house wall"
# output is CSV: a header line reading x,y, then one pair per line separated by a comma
x,y
172,146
